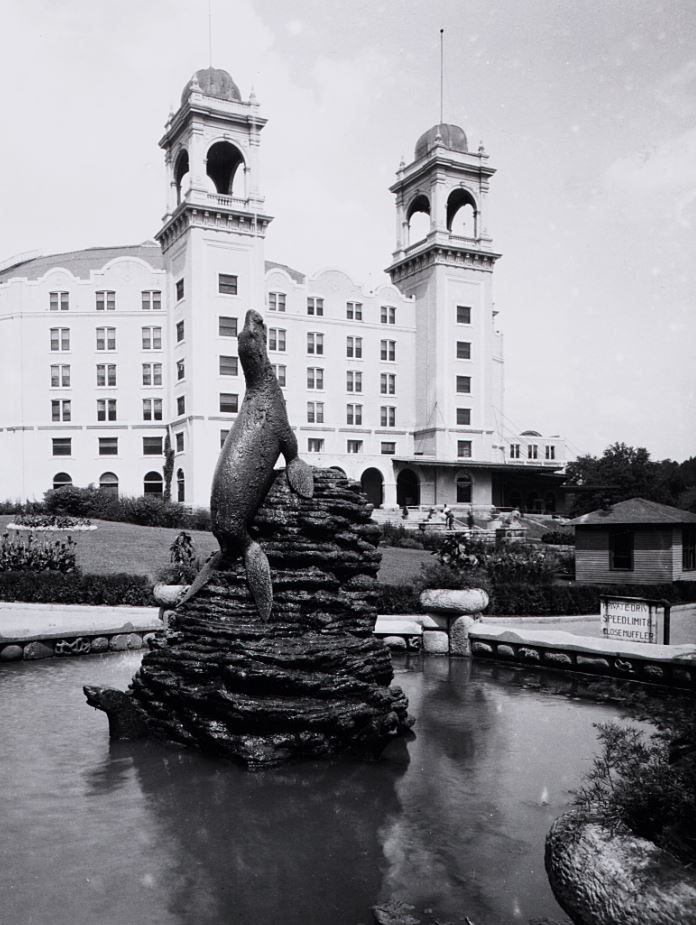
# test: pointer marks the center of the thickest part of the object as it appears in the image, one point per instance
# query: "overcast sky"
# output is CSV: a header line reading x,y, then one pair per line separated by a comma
x,y
586,107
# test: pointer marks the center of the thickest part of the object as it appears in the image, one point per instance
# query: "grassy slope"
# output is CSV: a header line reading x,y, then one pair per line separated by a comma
x,y
119,547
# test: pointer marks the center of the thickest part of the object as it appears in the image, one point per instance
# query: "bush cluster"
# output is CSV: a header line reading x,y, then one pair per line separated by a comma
x,y
147,510
402,538
74,588
54,521
28,554
559,538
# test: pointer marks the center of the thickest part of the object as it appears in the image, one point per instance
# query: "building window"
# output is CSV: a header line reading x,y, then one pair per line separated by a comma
x,y
179,331
180,405
514,451
315,343
152,409
180,486
276,339
354,446
315,412
151,300
227,327
229,366
464,489
153,484
61,480
60,409
152,338
688,548
62,446
354,311
227,284
387,383
108,446
464,449
60,377
463,417
354,347
152,374
550,452
621,550
59,301
532,451
152,446
280,372
315,377
354,415
60,339
106,300
387,314
353,381
276,301
463,350
179,442
387,350
108,483
387,449
106,338
315,305
180,369
106,409
463,314
464,384
223,437
179,290
315,445
229,402
387,416
106,374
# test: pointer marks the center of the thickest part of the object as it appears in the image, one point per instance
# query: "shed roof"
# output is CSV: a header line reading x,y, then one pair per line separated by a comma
x,y
635,511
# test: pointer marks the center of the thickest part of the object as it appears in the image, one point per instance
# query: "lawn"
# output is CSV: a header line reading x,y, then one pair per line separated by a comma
x,y
119,547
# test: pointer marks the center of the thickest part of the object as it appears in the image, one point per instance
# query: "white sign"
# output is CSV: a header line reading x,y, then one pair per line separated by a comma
x,y
631,619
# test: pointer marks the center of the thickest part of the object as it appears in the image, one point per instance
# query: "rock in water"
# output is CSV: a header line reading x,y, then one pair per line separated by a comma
x,y
311,681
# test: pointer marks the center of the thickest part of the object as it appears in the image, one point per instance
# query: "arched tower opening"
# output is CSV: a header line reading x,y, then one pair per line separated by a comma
x,y
418,219
222,167
462,214
182,175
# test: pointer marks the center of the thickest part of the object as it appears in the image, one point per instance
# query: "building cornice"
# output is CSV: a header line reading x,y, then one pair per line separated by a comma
x,y
218,217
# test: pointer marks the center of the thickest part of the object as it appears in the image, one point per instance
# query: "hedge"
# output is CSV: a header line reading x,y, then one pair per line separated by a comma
x,y
57,588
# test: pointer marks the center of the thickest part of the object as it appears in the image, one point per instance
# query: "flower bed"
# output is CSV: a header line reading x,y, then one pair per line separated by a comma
x,y
50,522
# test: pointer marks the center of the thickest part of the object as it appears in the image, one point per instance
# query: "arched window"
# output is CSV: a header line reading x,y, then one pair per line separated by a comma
x,y
180,485
407,488
462,214
418,219
182,177
222,163
108,482
464,486
61,479
372,484
153,483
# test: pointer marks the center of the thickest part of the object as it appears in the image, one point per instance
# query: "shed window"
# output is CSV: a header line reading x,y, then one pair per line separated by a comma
x,y
621,550
688,548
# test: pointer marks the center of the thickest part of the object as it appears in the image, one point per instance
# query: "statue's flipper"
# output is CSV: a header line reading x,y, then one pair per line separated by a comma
x,y
300,477
202,577
259,578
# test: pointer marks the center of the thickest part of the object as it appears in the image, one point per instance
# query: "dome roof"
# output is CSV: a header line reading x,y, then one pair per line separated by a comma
x,y
451,136
214,82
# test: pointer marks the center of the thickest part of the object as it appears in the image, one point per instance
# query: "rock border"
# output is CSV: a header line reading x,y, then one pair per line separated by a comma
x,y
35,649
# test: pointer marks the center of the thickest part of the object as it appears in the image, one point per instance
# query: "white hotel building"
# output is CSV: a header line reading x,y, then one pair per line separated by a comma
x,y
103,350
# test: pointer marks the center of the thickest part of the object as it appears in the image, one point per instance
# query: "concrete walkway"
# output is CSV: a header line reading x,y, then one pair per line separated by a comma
x,y
26,622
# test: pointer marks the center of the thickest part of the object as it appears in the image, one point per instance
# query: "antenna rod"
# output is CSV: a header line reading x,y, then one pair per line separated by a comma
x,y
210,33
442,72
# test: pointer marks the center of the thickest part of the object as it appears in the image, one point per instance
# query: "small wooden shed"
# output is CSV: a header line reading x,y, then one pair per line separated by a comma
x,y
635,542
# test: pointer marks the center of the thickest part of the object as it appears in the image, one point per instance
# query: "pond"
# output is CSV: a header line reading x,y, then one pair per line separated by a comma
x,y
126,832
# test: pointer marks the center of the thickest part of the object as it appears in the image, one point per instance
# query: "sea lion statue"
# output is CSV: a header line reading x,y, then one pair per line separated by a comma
x,y
244,471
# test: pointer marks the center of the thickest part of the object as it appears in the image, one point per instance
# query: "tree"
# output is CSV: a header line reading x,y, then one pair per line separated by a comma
x,y
620,473
168,467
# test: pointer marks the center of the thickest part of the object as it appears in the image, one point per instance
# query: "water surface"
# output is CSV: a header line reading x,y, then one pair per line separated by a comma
x,y
123,833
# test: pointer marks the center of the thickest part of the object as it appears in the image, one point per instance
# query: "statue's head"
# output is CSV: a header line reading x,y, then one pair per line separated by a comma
x,y
252,343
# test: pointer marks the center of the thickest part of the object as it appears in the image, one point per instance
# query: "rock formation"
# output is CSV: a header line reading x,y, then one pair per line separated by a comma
x,y
311,681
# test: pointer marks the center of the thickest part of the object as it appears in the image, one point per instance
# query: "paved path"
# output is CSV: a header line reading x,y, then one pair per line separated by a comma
x,y
24,622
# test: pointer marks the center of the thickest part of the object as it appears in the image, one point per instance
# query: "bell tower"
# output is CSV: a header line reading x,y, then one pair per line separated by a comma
x,y
212,240
444,259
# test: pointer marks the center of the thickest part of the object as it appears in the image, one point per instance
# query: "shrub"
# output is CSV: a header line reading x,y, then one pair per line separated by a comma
x,y
559,538
146,510
185,564
29,554
54,521
74,588
398,599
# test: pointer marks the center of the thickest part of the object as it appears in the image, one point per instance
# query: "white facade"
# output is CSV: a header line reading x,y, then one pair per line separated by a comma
x,y
101,350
